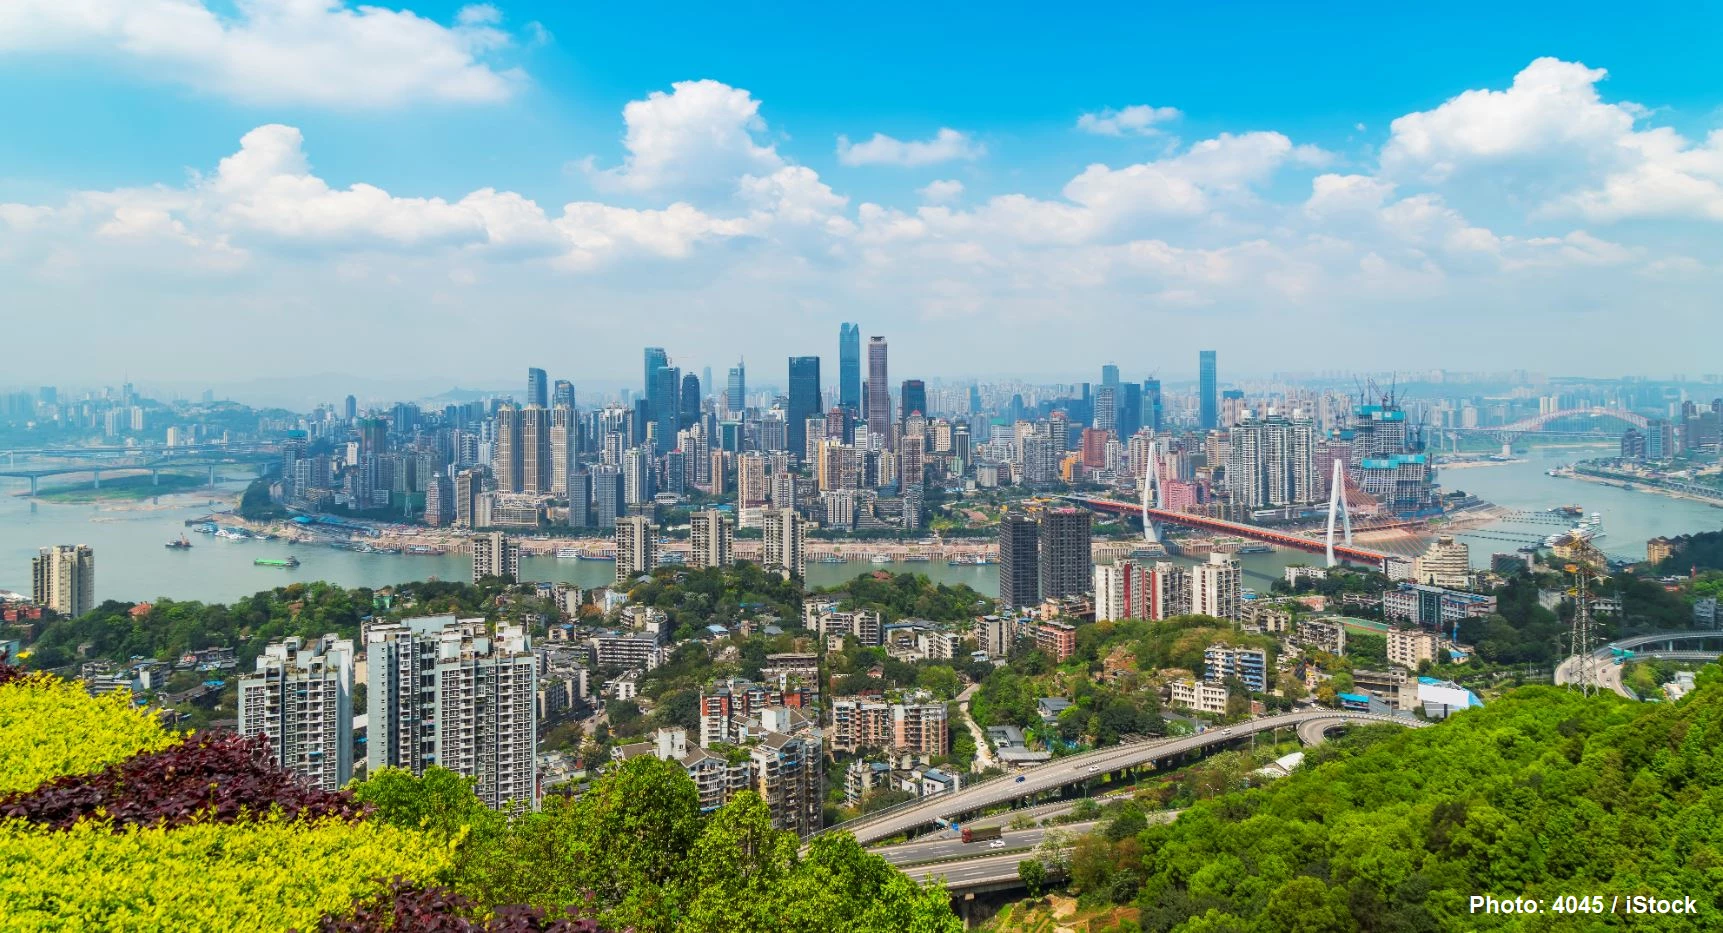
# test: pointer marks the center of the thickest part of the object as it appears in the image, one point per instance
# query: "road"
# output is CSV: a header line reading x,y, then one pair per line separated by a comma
x,y
1608,673
983,752
976,872
950,846
1078,769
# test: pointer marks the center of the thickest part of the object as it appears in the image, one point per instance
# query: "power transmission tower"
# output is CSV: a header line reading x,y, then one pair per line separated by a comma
x,y
1585,568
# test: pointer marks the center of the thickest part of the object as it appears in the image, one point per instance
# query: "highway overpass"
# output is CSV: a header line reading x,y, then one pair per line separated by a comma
x,y
1085,767
1673,646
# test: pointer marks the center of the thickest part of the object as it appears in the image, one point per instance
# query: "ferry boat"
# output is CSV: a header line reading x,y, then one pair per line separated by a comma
x,y
567,553
183,544
1571,511
1587,529
828,559
916,558
1254,549
585,556
288,562
880,559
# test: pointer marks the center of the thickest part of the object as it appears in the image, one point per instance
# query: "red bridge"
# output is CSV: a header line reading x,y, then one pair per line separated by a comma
x,y
1297,542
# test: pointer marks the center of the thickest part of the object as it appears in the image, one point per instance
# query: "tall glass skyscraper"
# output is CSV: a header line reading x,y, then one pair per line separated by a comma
x,y
913,397
878,390
736,391
537,388
1208,392
655,358
849,368
804,401
663,405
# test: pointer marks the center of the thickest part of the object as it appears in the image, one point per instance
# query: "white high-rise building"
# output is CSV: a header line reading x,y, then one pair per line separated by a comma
x,y
1446,563
301,699
495,555
711,539
636,547
63,578
1215,587
440,691
1271,461
786,542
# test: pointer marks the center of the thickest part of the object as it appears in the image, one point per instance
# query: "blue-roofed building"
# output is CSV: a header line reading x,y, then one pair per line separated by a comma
x,y
1354,702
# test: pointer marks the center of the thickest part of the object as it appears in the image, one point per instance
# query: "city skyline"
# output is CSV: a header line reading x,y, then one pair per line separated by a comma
x,y
1524,199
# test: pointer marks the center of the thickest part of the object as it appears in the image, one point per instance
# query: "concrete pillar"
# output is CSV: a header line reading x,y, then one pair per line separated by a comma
x,y
155,477
98,476
33,480
212,476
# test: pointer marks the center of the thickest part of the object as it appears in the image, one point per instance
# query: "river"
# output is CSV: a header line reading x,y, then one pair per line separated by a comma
x,y
132,563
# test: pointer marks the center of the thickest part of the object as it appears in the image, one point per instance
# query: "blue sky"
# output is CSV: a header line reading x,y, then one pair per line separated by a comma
x,y
1259,194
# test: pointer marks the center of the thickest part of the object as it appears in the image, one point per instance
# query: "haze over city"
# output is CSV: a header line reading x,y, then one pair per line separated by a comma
x,y
369,190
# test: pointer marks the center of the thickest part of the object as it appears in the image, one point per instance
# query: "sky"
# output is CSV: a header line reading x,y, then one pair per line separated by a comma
x,y
225,193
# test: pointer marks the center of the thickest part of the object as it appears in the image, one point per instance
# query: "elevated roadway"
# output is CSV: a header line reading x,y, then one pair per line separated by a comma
x,y
1083,768
1672,646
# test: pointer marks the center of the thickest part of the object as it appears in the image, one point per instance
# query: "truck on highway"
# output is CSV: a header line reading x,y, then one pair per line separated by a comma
x,y
981,835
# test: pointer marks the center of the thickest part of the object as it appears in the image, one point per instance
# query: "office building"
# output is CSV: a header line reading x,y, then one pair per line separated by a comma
x,y
443,692
736,390
636,547
1019,554
1152,405
300,698
912,399
578,491
537,388
878,414
1065,564
849,369
1216,587
495,555
665,405
609,501
786,542
1208,392
804,402
1249,665
655,358
63,579
711,539
1446,563
562,394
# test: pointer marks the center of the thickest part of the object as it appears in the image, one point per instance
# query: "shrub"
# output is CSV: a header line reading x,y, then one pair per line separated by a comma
x,y
271,874
52,727
221,777
405,908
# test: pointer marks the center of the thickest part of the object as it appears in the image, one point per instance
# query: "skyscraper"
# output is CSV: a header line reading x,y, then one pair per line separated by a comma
x,y
878,414
1019,582
912,399
1128,418
664,405
636,547
1067,569
655,358
495,555
689,407
443,692
564,447
537,460
804,401
300,698
786,542
1208,392
562,394
710,539
506,453
608,500
849,368
537,388
1271,461
736,391
1215,587
1152,404
63,579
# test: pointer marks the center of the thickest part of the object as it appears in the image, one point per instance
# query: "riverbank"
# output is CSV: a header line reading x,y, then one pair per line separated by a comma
x,y
1631,486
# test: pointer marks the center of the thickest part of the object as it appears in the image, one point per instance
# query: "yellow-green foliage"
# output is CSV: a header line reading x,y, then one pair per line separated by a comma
x,y
270,875
51,727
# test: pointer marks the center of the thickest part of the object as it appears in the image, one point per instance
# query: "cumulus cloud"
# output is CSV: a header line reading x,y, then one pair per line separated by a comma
x,y
1135,120
942,191
319,52
699,135
947,145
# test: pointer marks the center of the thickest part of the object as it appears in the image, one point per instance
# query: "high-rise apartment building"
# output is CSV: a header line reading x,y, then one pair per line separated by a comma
x,y
439,500
1271,461
878,415
1208,392
443,692
536,456
537,388
789,774
636,547
1019,576
609,501
63,579
469,484
1446,563
786,542
639,480
495,555
506,451
804,401
300,698
1067,569
1216,587
564,447
711,539
751,487
1250,665
849,368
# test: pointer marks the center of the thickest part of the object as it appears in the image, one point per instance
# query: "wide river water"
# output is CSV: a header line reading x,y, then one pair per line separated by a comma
x,y
133,564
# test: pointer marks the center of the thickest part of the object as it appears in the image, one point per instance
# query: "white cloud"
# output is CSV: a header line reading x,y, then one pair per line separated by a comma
x,y
320,52
942,191
1135,120
699,135
947,145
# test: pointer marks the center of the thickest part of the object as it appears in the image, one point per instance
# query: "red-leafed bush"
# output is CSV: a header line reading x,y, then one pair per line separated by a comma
x,y
210,776
9,672
406,908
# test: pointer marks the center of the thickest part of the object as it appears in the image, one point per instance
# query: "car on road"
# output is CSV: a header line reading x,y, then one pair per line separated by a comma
x,y
1021,778
996,844
1226,732
1094,768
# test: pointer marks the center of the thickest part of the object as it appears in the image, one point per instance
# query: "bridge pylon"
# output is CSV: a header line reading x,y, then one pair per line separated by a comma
x,y
1153,496
1337,506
